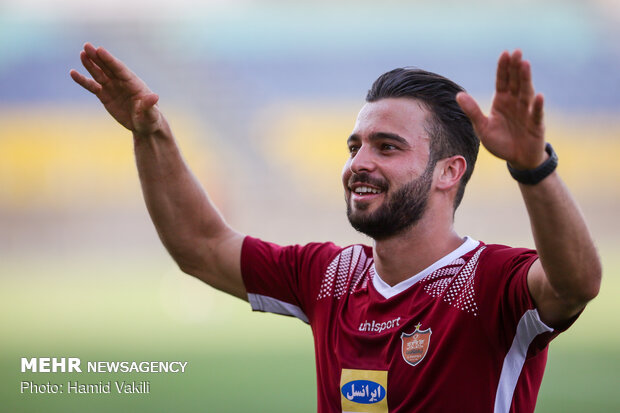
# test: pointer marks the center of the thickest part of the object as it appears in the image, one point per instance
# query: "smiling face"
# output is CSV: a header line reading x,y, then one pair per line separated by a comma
x,y
387,179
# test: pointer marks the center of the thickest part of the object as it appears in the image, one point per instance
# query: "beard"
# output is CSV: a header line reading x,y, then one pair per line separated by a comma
x,y
399,212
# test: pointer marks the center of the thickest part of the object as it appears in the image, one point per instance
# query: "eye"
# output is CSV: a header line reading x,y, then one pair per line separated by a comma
x,y
388,147
353,149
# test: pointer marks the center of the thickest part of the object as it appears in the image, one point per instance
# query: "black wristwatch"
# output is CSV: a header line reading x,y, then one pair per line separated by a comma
x,y
534,176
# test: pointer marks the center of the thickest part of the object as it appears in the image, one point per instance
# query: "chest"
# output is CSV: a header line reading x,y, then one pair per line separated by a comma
x,y
396,333
408,346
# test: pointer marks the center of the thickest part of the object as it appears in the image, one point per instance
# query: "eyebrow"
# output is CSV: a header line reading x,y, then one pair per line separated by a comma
x,y
381,136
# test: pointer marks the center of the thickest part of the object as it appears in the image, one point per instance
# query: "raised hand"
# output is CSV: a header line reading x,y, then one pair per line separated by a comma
x,y
124,95
514,130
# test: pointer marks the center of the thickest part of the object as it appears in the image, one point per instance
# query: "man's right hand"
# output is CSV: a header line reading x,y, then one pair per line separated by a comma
x,y
124,95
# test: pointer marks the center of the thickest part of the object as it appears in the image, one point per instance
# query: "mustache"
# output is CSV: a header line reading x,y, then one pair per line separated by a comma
x,y
365,178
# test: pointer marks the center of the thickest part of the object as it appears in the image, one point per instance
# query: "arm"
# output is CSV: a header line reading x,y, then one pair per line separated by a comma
x,y
568,272
189,225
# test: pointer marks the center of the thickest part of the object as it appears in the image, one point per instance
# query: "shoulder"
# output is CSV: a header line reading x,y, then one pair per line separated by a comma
x,y
504,256
314,252
502,277
346,271
250,242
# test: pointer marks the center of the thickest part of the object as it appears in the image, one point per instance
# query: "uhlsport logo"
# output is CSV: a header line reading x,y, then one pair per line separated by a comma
x,y
415,345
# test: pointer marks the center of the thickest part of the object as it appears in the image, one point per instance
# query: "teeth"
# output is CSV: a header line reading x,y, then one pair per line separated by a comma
x,y
365,189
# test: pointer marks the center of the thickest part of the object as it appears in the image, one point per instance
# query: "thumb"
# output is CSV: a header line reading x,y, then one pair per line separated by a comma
x,y
472,110
150,100
147,109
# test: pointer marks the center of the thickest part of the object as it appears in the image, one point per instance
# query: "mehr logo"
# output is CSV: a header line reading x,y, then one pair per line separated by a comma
x,y
415,345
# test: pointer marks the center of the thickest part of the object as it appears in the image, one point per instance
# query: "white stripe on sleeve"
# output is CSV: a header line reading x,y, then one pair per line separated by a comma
x,y
530,325
272,305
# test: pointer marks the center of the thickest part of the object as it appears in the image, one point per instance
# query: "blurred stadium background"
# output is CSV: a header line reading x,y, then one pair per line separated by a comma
x,y
262,95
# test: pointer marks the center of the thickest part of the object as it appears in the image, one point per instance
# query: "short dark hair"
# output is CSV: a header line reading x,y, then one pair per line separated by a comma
x,y
450,130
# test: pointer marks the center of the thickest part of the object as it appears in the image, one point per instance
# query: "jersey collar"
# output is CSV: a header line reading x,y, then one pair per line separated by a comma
x,y
388,292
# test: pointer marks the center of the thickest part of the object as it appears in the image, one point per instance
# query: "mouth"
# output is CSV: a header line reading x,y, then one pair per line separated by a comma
x,y
364,192
364,189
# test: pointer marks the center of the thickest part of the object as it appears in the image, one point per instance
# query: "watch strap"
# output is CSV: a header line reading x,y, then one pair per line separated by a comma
x,y
534,176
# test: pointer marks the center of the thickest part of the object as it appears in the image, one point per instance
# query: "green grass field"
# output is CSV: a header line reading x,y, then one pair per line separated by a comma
x,y
141,309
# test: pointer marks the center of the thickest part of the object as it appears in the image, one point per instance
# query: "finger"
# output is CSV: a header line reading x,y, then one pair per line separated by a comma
x,y
92,54
113,64
537,110
93,69
86,83
501,82
527,87
513,69
472,110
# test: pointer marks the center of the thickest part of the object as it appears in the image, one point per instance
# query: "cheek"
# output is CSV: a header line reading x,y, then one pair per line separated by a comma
x,y
346,173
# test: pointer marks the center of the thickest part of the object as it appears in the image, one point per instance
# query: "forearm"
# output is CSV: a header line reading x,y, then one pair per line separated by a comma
x,y
183,215
564,244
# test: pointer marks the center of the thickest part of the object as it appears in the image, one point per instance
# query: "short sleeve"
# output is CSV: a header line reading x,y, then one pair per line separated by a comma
x,y
507,301
284,279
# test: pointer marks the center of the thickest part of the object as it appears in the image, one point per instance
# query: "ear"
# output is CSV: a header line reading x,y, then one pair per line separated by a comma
x,y
449,172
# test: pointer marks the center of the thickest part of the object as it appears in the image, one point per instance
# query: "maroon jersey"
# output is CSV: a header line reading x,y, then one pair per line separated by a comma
x,y
461,336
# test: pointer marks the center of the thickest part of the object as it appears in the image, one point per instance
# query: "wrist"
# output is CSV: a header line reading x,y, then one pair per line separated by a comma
x,y
156,130
535,175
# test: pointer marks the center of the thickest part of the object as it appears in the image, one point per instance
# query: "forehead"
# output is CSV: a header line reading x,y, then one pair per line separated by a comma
x,y
402,116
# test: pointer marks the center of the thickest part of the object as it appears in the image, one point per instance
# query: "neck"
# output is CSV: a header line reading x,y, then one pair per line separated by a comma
x,y
401,256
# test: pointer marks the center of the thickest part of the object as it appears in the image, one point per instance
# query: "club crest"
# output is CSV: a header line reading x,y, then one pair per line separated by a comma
x,y
415,345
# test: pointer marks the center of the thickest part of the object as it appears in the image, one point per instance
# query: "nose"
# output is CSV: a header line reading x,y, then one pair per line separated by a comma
x,y
363,160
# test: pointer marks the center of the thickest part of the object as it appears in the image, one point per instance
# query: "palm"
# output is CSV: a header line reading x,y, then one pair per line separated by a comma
x,y
514,129
122,98
124,95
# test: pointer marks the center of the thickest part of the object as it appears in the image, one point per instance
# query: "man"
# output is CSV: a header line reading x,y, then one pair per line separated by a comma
x,y
424,320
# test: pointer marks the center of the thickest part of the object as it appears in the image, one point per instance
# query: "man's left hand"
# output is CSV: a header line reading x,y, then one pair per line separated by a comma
x,y
514,129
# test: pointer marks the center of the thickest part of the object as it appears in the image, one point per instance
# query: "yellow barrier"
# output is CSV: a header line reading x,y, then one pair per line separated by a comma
x,y
59,157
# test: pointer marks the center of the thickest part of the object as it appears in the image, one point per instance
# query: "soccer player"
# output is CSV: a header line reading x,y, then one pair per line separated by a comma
x,y
424,320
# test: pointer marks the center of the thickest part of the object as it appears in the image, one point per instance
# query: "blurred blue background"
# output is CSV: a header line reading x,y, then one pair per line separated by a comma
x,y
262,96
